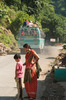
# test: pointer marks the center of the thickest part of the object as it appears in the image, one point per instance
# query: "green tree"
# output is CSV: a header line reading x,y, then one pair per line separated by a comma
x,y
60,6
18,21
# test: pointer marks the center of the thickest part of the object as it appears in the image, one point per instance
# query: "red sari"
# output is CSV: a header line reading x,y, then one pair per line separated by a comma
x,y
31,87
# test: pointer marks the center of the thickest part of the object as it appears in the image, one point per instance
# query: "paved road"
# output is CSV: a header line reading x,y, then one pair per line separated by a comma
x,y
7,67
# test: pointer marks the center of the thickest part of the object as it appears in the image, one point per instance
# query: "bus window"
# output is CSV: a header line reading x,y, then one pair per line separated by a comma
x,y
29,32
25,32
22,33
34,32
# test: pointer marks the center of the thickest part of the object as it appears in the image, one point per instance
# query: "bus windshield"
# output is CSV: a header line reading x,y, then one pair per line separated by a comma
x,y
29,32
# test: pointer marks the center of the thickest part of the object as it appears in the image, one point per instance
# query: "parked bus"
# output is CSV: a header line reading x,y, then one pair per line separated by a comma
x,y
33,36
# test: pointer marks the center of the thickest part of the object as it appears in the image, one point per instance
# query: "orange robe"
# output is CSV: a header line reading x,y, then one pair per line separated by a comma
x,y
31,86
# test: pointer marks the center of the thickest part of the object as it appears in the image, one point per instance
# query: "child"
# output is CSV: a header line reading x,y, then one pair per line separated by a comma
x,y
19,75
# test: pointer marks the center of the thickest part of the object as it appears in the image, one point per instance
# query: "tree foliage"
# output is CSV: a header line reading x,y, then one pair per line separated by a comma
x,y
18,21
60,6
50,14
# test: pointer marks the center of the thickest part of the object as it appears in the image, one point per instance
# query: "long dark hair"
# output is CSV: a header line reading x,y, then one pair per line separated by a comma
x,y
26,46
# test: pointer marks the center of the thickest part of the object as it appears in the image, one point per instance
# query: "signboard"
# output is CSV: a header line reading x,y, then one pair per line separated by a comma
x,y
52,40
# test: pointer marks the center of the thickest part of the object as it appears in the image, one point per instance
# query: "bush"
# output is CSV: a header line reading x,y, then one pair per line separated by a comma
x,y
7,38
64,46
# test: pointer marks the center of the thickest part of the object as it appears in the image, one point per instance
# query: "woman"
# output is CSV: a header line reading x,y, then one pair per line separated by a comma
x,y
30,78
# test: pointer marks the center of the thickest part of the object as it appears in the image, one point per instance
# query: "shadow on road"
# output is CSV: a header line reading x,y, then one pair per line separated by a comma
x,y
50,58
6,98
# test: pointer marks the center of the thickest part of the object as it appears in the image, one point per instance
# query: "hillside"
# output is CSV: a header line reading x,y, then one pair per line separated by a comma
x,y
7,41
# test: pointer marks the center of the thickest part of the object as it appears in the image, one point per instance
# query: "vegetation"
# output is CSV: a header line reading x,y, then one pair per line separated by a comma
x,y
50,14
7,38
60,6
64,46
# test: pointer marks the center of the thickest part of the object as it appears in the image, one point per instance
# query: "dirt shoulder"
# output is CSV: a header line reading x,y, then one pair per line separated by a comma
x,y
55,90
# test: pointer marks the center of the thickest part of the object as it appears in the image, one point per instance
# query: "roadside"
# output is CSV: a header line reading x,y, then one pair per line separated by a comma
x,y
55,90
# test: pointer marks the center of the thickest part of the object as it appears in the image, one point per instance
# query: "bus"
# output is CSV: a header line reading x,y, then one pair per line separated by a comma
x,y
33,36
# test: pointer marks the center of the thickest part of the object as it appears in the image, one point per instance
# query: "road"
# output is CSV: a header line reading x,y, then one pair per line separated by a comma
x,y
8,89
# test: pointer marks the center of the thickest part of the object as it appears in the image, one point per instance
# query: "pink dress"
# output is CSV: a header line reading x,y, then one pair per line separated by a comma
x,y
19,68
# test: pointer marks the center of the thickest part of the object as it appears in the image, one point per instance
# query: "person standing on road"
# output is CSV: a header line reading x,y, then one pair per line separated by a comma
x,y
19,75
30,78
